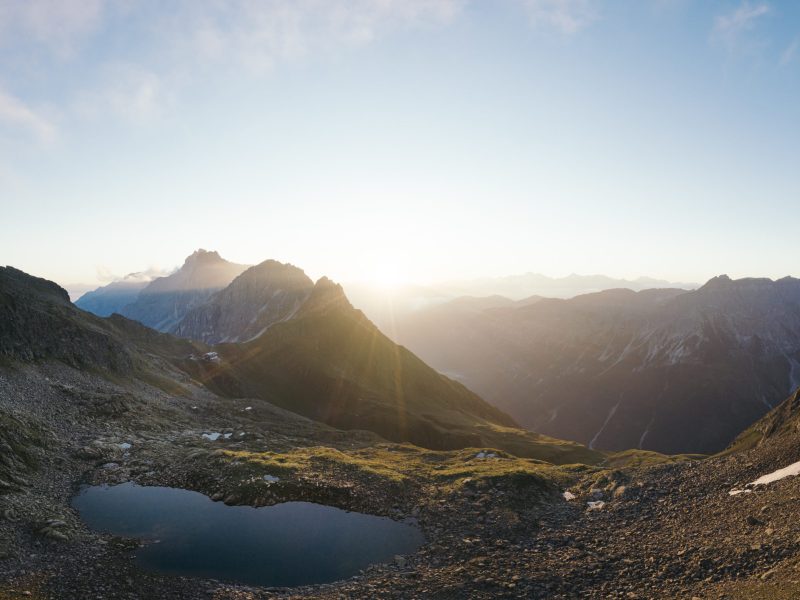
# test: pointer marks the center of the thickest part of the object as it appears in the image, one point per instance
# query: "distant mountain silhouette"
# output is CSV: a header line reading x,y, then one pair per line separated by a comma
x,y
385,306
112,298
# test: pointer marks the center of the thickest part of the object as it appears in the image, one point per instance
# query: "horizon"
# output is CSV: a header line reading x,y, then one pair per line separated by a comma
x,y
397,142
149,273
76,291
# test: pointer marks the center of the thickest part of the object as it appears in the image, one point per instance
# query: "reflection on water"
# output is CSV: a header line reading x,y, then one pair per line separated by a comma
x,y
293,543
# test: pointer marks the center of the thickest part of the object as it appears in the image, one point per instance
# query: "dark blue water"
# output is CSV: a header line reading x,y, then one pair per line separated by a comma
x,y
288,544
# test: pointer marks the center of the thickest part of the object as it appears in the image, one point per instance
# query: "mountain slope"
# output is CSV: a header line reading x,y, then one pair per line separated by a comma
x,y
164,302
38,322
330,363
257,299
112,298
664,370
778,430
327,362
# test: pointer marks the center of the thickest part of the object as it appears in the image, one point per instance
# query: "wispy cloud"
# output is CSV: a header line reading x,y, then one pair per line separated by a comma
x,y
60,25
729,28
261,34
790,53
566,16
128,92
186,36
106,275
16,113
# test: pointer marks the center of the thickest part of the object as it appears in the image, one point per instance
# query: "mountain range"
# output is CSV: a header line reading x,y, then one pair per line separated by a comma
x,y
275,334
385,305
163,302
664,369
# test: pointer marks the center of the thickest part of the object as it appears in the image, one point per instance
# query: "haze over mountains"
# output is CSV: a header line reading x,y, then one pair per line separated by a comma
x,y
667,370
384,305
302,346
163,302
380,303
663,369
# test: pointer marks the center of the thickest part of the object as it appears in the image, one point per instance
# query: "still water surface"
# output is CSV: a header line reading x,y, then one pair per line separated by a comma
x,y
289,544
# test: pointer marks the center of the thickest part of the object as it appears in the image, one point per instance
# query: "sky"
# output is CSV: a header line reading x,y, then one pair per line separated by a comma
x,y
401,140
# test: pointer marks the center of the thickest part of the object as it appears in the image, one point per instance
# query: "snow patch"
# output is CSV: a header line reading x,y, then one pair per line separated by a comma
x,y
211,357
271,478
568,496
595,505
212,437
793,470
486,455
124,446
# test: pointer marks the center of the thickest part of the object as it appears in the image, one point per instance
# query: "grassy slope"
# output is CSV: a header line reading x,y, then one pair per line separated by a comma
x,y
783,420
399,464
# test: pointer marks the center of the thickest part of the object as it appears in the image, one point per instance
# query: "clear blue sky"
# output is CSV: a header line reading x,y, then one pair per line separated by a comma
x,y
402,139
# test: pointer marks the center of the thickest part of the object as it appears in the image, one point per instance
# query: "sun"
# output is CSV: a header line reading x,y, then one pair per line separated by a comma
x,y
386,277
389,279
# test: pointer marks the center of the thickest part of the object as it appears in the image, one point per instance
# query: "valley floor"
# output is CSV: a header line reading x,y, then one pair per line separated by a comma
x,y
496,527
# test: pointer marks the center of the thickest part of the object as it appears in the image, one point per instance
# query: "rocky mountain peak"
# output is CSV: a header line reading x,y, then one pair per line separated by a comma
x,y
202,270
271,270
325,296
258,298
723,282
203,256
717,282
164,302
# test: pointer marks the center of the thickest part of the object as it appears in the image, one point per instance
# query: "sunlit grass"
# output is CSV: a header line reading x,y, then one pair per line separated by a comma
x,y
401,463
